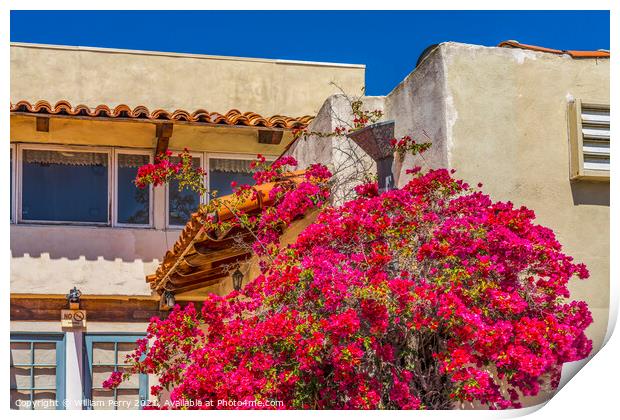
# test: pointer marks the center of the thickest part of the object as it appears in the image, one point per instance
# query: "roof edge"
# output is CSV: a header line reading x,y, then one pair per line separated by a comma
x,y
572,53
141,113
183,55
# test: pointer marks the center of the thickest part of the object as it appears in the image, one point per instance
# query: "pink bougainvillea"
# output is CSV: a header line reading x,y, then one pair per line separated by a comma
x,y
163,170
416,298
420,297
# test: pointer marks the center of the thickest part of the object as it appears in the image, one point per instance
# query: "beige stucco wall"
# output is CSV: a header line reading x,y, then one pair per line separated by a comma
x,y
499,116
170,81
507,127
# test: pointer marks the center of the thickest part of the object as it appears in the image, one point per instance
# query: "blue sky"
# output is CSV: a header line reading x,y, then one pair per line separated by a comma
x,y
388,42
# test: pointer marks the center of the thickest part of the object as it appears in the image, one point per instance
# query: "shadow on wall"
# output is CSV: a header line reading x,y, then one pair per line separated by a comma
x,y
590,193
92,244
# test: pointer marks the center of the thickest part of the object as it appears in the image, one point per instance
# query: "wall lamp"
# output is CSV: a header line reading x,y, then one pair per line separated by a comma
x,y
73,298
237,277
169,299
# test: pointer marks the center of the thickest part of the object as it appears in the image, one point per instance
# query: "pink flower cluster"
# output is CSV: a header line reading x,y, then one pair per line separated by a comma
x,y
115,379
406,144
163,171
416,298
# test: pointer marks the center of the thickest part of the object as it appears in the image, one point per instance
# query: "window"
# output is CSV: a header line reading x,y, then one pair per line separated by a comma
x,y
37,371
133,204
53,184
105,354
64,186
181,204
224,171
221,171
589,127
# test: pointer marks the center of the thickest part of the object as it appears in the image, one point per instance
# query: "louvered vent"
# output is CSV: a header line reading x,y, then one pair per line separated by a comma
x,y
595,133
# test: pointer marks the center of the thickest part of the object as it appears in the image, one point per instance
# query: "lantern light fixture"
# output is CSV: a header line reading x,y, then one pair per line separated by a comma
x,y
237,277
169,299
73,298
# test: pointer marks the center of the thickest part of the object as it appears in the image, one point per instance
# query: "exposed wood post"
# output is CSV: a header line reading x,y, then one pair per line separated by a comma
x,y
43,124
163,132
269,136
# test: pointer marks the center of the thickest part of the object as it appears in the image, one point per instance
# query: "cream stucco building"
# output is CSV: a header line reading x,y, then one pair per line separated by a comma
x,y
82,121
530,123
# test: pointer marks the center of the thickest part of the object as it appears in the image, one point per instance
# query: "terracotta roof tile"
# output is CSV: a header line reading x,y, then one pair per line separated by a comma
x,y
572,53
199,257
232,117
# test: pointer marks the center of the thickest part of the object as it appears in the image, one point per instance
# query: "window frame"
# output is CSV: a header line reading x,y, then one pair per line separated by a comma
x,y
114,196
17,152
577,170
92,149
89,339
60,340
203,198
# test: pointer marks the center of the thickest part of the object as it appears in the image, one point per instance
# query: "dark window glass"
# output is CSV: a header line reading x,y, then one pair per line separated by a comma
x,y
133,203
224,171
181,204
65,186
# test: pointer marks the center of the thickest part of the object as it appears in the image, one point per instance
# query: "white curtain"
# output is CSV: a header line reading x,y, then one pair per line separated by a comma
x,y
231,165
132,161
66,158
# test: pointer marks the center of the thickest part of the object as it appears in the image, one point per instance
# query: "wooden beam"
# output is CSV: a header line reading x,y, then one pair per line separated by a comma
x,y
163,132
99,310
269,136
196,286
200,260
43,124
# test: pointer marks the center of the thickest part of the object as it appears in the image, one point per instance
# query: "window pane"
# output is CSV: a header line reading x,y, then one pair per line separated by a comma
x,y
45,353
124,350
20,353
181,204
45,377
20,377
132,382
44,400
103,353
20,400
103,399
128,399
100,374
133,202
65,186
223,171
